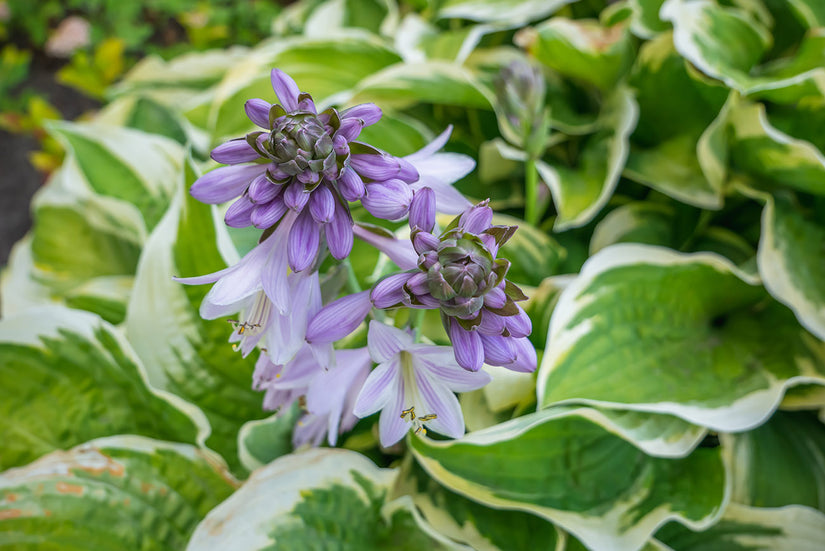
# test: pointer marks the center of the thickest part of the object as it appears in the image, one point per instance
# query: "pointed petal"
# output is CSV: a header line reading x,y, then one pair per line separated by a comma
x,y
322,204
385,341
258,112
476,219
286,89
367,112
239,213
234,152
526,361
261,190
351,185
381,167
430,149
469,352
274,272
303,242
380,388
295,197
267,215
400,251
391,428
440,363
422,209
224,183
439,400
389,291
388,200
339,318
498,350
210,310
520,324
339,232
350,128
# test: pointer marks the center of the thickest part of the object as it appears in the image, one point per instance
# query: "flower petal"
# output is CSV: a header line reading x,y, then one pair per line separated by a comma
x,y
431,148
526,361
274,272
295,196
224,183
385,341
498,350
339,318
322,204
261,190
339,232
266,215
286,89
388,200
238,215
234,152
422,209
391,428
440,363
469,352
351,185
258,112
400,251
476,219
380,388
520,324
437,399
389,291
367,112
303,242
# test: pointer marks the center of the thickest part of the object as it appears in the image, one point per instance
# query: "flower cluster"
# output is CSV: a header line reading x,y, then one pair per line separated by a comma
x,y
295,180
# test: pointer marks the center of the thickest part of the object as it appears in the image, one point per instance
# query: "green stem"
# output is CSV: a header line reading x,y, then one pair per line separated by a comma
x,y
416,319
352,279
531,193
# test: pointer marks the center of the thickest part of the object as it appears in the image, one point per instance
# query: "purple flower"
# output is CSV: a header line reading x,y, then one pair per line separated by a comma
x,y
413,386
458,273
308,163
285,383
439,171
272,304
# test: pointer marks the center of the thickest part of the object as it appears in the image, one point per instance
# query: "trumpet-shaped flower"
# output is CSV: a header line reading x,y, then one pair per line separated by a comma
x,y
413,386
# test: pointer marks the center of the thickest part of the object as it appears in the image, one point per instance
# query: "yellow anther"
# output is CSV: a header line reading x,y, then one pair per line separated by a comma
x,y
410,412
428,417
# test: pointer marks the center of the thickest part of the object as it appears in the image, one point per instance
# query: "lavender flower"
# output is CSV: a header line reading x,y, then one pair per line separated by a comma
x,y
458,273
309,163
413,386
272,303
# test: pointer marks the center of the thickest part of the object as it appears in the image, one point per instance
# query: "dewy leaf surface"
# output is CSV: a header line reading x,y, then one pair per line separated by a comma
x,y
318,499
116,493
185,354
67,377
791,261
569,470
649,329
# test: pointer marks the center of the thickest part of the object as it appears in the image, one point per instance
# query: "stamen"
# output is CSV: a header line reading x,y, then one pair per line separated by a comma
x,y
410,412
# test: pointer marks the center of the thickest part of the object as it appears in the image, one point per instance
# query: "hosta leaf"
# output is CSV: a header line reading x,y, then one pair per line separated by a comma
x,y
745,528
572,472
779,463
811,12
791,261
264,440
645,22
511,11
579,192
471,523
649,329
637,222
533,254
68,377
763,152
664,156
724,43
325,498
582,49
406,84
314,63
124,164
121,492
183,353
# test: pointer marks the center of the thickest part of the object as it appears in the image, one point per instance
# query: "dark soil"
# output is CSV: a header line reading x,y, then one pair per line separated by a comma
x,y
19,180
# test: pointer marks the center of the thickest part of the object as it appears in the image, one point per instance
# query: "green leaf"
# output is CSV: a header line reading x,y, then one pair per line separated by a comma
x,y
326,498
645,22
664,156
572,472
637,222
69,377
724,43
124,164
791,261
264,440
582,49
183,353
474,524
649,329
779,463
580,191
406,84
105,296
770,156
811,12
510,11
395,134
745,528
533,254
121,492
313,62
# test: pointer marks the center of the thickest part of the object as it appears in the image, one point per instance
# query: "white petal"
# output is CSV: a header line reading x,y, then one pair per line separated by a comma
x,y
385,341
379,389
391,428
439,400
